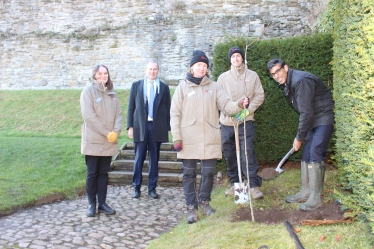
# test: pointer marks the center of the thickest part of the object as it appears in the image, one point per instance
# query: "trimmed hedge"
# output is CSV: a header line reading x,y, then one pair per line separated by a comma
x,y
353,65
276,121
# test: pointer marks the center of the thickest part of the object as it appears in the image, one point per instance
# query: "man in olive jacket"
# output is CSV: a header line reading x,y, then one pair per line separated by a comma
x,y
148,123
312,99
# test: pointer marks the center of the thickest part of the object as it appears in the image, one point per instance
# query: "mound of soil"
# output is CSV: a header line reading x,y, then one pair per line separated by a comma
x,y
267,170
330,211
268,173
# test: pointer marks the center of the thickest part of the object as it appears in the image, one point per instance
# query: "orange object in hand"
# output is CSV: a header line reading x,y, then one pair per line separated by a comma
x,y
112,136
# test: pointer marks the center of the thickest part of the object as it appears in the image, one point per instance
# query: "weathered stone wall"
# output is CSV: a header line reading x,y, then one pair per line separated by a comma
x,y
51,44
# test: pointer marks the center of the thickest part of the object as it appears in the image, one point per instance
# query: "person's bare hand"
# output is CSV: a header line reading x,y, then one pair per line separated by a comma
x,y
130,133
296,144
244,103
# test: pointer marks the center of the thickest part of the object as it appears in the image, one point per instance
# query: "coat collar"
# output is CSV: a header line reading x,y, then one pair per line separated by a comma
x,y
238,72
206,81
101,88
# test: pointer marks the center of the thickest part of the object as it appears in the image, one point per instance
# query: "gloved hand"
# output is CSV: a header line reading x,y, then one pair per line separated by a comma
x,y
112,136
241,115
178,145
244,103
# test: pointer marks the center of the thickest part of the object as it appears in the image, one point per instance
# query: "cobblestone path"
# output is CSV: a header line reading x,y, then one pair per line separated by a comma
x,y
64,224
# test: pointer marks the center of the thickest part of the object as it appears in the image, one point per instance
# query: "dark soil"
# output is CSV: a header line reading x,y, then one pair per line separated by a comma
x,y
268,173
267,170
273,215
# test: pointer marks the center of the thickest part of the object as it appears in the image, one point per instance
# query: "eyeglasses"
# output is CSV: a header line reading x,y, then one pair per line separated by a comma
x,y
276,72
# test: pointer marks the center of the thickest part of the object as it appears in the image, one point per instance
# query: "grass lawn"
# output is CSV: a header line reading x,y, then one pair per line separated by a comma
x,y
40,145
34,167
218,230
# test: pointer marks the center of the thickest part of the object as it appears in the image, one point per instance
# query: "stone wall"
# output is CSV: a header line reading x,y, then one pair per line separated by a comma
x,y
53,44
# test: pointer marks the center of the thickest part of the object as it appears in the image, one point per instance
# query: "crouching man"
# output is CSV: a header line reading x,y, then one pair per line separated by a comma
x,y
312,99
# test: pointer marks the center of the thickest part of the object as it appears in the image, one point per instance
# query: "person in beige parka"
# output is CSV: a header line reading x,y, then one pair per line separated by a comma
x,y
196,131
102,117
237,82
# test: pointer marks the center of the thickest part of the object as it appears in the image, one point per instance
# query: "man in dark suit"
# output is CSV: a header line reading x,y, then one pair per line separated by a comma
x,y
148,123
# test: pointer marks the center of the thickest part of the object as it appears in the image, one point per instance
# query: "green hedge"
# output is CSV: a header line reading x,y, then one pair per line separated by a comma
x,y
276,121
353,65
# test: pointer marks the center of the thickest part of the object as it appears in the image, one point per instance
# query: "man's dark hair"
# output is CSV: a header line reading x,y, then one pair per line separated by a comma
x,y
274,62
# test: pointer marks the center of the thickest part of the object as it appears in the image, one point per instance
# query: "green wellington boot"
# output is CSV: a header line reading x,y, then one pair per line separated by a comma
x,y
316,177
303,195
323,169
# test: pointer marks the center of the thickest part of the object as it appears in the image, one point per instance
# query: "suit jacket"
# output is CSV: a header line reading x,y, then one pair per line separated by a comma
x,y
137,113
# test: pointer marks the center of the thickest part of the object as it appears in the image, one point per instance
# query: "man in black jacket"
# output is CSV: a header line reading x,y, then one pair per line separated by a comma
x,y
312,99
148,123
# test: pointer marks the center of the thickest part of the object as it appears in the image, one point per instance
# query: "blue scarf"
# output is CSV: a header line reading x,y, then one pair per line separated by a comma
x,y
145,82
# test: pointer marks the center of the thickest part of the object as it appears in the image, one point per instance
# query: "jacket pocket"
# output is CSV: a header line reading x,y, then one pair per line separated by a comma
x,y
189,131
215,125
186,123
212,134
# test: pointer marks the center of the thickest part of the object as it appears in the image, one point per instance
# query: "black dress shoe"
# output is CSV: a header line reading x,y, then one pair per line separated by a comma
x,y
152,193
106,209
91,210
136,193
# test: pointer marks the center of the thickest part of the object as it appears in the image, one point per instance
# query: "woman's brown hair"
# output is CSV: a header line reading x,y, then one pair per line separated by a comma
x,y
109,84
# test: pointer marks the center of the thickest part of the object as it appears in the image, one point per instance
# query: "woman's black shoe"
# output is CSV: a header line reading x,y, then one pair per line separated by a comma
x,y
106,209
91,210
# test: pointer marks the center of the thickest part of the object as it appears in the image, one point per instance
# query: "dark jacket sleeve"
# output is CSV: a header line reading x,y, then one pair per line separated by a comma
x,y
304,95
168,104
131,106
162,117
